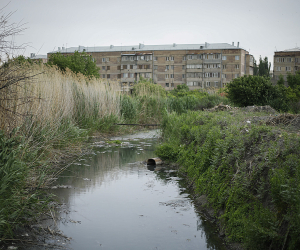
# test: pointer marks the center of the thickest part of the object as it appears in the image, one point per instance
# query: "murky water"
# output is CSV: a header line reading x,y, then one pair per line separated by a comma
x,y
115,202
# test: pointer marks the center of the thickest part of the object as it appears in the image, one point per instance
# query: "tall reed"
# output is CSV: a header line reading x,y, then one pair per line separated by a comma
x,y
41,110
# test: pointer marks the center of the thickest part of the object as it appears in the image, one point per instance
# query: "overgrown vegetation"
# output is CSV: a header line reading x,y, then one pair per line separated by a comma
x,y
79,62
258,90
249,171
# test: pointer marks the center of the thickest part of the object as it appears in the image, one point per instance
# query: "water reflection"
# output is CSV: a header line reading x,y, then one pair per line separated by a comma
x,y
116,202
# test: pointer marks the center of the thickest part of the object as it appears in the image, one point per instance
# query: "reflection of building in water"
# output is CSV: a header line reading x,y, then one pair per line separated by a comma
x,y
197,65
101,166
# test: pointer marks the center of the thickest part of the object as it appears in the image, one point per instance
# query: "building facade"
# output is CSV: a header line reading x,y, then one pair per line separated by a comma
x,y
286,62
197,65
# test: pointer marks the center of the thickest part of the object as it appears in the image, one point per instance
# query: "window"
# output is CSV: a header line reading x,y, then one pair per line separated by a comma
x,y
155,67
280,59
172,75
131,66
125,75
183,67
172,84
108,67
103,76
131,58
155,58
131,75
147,66
278,68
237,58
183,76
224,66
142,57
108,76
287,68
237,66
147,75
167,67
167,76
195,66
189,83
207,84
167,84
296,60
172,66
288,59
223,75
107,59
172,58
124,66
119,76
103,67
119,67
216,83
103,59
224,58
236,75
167,58
184,58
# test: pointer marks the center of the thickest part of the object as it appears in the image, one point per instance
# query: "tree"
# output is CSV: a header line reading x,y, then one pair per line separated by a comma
x,y
78,62
256,90
263,68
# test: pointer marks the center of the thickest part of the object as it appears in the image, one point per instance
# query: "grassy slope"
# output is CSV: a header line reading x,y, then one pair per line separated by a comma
x,y
250,173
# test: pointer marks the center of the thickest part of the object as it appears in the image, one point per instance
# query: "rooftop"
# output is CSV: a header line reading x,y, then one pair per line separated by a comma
x,y
291,50
143,47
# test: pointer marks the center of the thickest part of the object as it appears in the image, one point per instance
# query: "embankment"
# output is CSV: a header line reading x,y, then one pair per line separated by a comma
x,y
244,165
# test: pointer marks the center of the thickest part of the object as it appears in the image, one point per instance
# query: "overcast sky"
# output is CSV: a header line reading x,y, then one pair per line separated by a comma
x,y
261,26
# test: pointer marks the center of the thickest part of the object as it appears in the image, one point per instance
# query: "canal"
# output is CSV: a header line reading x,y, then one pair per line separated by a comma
x,y
109,199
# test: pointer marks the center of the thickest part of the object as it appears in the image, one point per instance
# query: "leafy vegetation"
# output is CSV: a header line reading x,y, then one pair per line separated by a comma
x,y
249,172
263,68
79,62
257,90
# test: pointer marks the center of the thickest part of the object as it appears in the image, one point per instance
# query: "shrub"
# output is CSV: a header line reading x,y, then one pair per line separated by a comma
x,y
256,90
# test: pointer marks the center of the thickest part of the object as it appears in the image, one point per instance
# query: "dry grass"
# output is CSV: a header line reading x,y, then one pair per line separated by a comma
x,y
50,96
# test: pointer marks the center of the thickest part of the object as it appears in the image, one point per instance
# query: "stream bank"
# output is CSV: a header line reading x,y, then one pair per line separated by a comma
x,y
244,167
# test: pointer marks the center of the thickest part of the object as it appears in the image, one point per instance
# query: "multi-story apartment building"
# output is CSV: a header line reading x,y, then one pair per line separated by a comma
x,y
286,62
197,65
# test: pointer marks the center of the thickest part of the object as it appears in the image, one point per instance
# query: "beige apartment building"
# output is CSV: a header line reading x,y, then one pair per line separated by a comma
x,y
197,65
286,62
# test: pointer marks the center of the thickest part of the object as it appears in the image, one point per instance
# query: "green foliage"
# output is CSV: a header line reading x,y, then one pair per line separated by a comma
x,y
78,62
18,205
263,68
147,87
180,90
250,174
256,90
292,92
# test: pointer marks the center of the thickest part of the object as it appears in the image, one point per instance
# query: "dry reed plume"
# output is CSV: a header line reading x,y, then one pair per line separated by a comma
x,y
43,95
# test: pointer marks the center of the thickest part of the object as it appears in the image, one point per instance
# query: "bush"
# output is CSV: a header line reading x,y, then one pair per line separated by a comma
x,y
78,62
256,90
